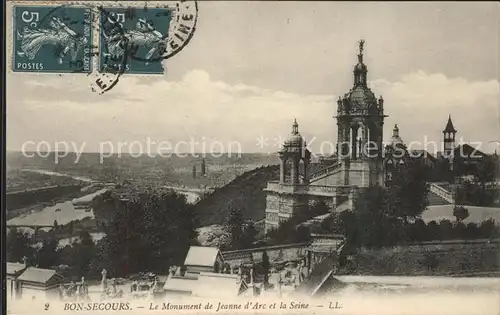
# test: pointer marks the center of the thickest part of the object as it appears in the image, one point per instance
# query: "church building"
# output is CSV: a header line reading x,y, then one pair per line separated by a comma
x,y
361,159
359,162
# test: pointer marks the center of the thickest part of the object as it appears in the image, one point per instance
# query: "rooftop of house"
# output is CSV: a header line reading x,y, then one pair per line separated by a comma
x,y
39,275
180,284
207,284
201,256
14,268
468,150
228,285
423,153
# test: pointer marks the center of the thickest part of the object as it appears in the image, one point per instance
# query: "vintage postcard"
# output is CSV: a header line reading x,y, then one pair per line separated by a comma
x,y
259,157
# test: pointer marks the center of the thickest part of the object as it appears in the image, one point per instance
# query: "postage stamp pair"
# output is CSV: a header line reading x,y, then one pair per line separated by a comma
x,y
60,39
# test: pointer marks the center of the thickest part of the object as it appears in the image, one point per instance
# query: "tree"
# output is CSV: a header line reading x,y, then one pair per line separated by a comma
x,y
365,225
461,213
383,216
234,226
81,255
48,256
56,225
442,170
319,208
292,229
150,230
489,229
265,267
70,227
18,245
407,194
249,235
445,229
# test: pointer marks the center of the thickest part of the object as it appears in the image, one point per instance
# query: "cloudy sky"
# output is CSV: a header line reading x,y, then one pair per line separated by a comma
x,y
252,67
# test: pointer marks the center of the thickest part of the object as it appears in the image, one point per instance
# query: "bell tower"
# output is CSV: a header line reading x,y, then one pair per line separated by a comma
x,y
449,133
360,121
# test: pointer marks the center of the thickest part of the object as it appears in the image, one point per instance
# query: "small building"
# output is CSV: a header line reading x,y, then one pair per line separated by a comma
x,y
203,259
204,284
180,285
321,247
35,282
228,285
13,271
203,266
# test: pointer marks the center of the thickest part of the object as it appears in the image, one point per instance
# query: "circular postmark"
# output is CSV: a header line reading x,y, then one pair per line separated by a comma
x,y
115,64
69,27
146,37
183,18
183,28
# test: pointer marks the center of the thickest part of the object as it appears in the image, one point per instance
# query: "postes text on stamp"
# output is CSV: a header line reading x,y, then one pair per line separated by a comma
x,y
54,39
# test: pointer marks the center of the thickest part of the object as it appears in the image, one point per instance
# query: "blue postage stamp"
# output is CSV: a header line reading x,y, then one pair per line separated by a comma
x,y
139,41
56,39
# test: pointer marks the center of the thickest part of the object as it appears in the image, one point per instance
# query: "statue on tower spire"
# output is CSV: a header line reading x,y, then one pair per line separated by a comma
x,y
361,45
295,127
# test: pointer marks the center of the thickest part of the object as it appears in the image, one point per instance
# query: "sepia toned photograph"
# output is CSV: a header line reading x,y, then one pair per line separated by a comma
x,y
258,157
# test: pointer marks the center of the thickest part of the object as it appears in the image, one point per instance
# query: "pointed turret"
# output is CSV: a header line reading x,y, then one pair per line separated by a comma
x,y
449,137
449,126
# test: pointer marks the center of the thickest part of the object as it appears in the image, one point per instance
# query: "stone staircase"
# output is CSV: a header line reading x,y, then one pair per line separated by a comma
x,y
317,277
318,219
324,172
320,274
440,194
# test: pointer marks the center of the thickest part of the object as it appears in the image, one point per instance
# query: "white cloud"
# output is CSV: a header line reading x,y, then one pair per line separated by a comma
x,y
420,104
200,107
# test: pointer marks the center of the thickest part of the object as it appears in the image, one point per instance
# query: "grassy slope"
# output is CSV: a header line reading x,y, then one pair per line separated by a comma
x,y
246,193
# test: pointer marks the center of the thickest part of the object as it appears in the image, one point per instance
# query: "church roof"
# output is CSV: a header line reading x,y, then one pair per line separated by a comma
x,y
423,153
396,139
295,139
362,95
449,126
469,151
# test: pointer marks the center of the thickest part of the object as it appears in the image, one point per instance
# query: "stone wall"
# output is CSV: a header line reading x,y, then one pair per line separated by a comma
x,y
280,207
278,253
431,258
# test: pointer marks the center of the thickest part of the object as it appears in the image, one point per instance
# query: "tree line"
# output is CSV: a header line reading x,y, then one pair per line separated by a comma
x,y
149,231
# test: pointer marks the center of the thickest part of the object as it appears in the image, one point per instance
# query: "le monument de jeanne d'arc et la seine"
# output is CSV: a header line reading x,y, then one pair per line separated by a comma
x,y
304,234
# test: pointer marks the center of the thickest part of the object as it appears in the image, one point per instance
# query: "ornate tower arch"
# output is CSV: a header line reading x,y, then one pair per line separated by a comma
x,y
360,121
292,155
